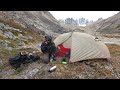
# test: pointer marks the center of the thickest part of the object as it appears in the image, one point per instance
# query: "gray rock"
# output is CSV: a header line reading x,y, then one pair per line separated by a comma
x,y
3,44
42,32
1,63
2,25
30,37
32,73
109,67
1,32
16,29
21,44
22,38
28,74
9,35
7,41
25,32
9,48
14,37
20,35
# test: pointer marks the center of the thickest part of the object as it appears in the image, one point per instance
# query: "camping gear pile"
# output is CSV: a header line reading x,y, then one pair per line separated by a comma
x,y
22,58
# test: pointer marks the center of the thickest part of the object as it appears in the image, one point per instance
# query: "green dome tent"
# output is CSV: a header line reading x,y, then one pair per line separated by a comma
x,y
83,46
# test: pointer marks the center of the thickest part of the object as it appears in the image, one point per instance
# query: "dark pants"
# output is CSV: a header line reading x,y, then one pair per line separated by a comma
x,y
49,53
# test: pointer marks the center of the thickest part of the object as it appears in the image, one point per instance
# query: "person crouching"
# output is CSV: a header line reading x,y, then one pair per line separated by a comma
x,y
48,48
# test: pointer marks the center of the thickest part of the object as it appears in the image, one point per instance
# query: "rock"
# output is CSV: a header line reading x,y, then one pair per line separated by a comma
x,y
32,73
9,35
28,74
109,67
21,44
7,41
30,37
22,38
9,48
2,25
79,76
20,35
42,32
7,74
1,63
3,44
14,37
25,32
1,32
87,63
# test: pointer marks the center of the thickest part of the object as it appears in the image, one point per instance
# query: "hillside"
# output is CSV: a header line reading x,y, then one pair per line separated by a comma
x,y
18,28
37,20
109,25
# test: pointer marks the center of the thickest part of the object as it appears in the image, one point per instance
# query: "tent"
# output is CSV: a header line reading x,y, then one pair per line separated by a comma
x,y
82,46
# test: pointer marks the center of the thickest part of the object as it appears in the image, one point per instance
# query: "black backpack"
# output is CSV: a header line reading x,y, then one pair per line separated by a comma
x,y
17,60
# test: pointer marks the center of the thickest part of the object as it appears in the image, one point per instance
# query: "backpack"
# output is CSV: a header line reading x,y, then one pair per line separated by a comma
x,y
16,61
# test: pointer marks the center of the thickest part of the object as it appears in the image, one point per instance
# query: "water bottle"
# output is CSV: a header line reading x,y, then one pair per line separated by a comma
x,y
52,68
64,62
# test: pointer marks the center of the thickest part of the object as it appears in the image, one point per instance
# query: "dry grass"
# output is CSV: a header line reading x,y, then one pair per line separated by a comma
x,y
111,36
11,23
5,54
114,49
91,69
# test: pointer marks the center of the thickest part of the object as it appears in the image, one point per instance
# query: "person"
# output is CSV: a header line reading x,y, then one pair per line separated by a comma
x,y
48,48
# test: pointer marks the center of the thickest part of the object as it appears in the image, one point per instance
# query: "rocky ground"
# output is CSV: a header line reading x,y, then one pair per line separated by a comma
x,y
88,69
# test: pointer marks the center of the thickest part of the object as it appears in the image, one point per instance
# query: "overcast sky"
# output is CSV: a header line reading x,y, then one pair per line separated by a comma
x,y
90,15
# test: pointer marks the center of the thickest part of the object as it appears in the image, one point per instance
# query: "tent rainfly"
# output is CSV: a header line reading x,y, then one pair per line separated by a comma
x,y
83,46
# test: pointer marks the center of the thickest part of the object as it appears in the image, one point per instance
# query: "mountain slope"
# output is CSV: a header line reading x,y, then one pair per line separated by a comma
x,y
22,27
110,25
38,20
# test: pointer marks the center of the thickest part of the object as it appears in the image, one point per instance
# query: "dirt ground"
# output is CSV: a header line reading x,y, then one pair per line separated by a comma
x,y
88,69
